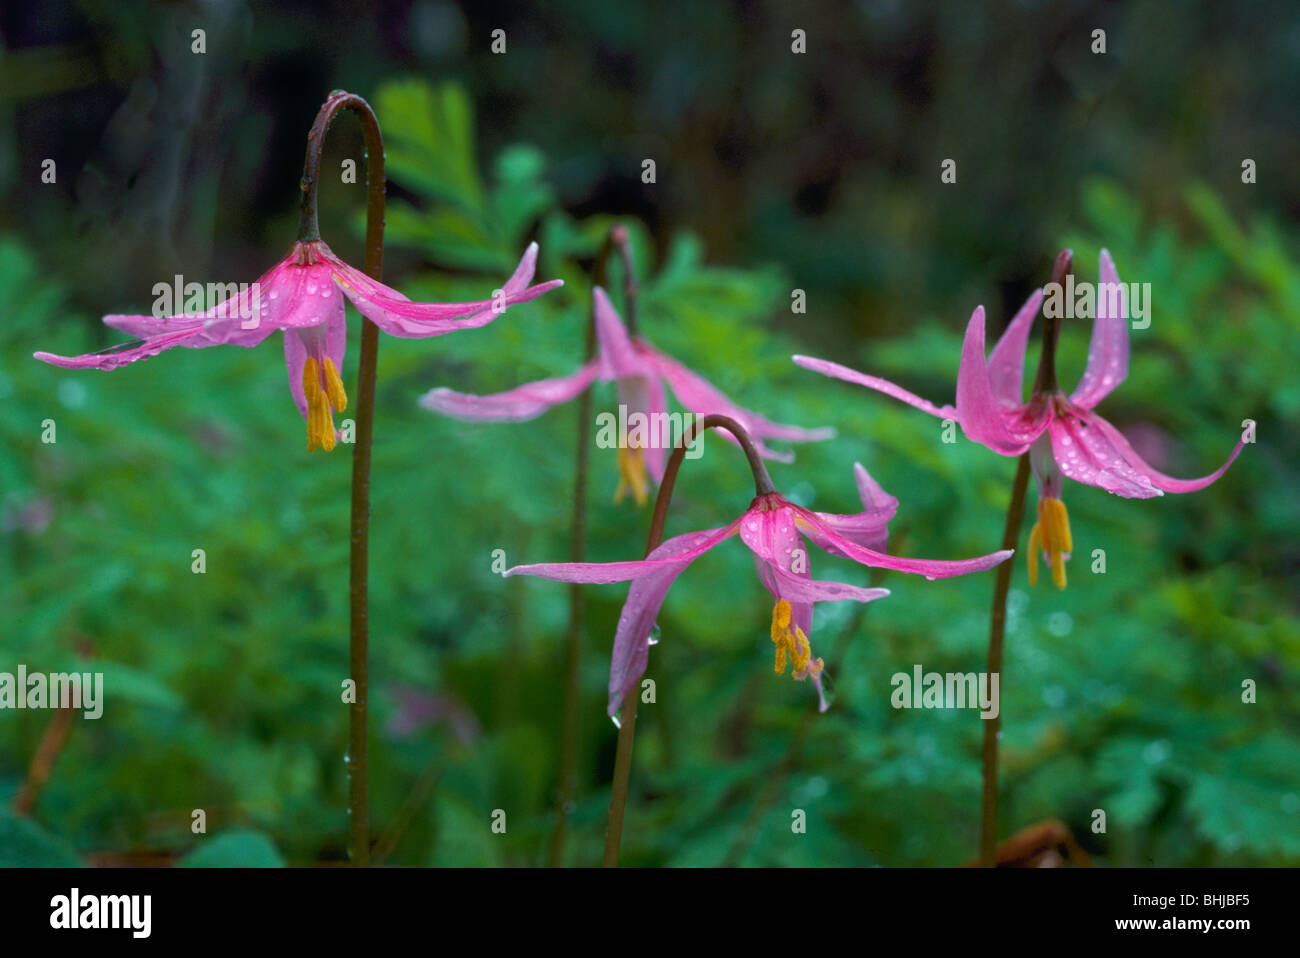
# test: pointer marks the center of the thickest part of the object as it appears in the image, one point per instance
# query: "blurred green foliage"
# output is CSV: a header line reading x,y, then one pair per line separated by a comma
x,y
1121,693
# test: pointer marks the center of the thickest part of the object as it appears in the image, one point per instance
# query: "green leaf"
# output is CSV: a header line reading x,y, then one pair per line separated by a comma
x,y
237,848
430,140
24,844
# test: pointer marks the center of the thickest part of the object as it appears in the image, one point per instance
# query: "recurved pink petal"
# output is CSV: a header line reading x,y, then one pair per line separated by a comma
x,y
143,327
251,312
1007,361
398,316
868,528
982,416
644,599
620,357
242,306
836,371
1108,352
700,396
1085,453
117,356
930,568
794,588
1113,442
523,274
515,405
601,573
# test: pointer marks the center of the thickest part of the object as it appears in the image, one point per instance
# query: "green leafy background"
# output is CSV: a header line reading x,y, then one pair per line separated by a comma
x,y
1122,693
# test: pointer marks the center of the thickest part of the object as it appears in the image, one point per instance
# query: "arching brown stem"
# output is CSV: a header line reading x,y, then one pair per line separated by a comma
x,y
358,649
627,726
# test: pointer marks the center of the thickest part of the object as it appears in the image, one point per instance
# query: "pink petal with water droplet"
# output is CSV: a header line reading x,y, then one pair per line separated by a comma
x,y
1007,361
836,371
869,528
644,599
1109,349
398,316
515,405
1085,453
984,419
1165,483
700,396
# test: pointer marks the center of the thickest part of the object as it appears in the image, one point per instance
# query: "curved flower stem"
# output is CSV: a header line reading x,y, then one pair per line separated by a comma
x,y
627,726
577,551
1044,381
358,649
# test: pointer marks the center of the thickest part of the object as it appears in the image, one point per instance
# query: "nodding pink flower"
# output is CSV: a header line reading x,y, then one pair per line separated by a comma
x,y
1063,435
773,528
640,371
303,296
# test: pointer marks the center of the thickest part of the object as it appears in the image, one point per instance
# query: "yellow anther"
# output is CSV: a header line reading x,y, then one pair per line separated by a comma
x,y
802,652
320,421
310,380
631,474
1051,533
780,620
334,387
781,633
793,643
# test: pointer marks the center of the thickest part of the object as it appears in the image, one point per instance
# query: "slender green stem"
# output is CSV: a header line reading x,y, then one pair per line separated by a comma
x,y
1044,382
627,727
997,631
358,649
577,607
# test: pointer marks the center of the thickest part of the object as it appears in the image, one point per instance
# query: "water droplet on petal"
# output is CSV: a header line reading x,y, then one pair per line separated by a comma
x,y
828,689
654,636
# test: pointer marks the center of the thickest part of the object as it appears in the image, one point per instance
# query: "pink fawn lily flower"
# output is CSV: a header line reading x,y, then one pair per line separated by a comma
x,y
303,296
1063,435
773,528
640,370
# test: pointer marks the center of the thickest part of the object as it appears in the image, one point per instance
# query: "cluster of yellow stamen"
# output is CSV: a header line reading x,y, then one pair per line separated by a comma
x,y
324,391
1051,533
792,643
631,473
